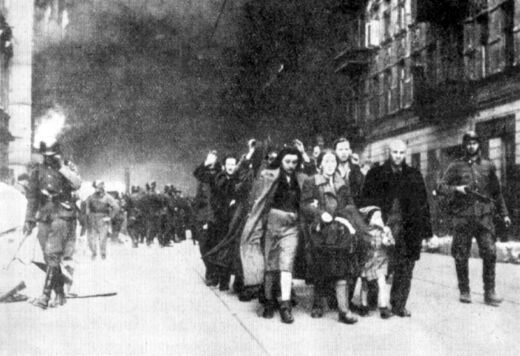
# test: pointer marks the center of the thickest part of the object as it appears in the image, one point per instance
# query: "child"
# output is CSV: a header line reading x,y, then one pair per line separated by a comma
x,y
376,266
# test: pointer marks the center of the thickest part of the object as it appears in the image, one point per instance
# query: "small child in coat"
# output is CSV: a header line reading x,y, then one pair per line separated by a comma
x,y
376,266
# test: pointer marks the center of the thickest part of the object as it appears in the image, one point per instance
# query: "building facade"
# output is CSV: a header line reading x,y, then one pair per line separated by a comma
x,y
426,71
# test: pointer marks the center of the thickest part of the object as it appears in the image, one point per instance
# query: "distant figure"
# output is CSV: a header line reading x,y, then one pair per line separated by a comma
x,y
101,208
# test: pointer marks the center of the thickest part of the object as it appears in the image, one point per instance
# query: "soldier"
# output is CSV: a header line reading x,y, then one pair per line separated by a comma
x,y
101,208
472,184
50,204
134,216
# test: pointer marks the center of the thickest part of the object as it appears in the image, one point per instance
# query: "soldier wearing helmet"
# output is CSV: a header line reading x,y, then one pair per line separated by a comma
x,y
51,206
101,208
472,184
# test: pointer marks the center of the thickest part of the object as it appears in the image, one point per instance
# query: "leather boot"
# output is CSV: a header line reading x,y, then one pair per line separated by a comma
x,y
269,307
59,292
462,269
286,312
318,306
488,275
43,301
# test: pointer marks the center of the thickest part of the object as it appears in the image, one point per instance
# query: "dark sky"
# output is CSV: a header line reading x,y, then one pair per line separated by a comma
x,y
140,87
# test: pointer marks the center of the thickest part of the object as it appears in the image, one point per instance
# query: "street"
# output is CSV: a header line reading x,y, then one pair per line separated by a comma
x,y
162,307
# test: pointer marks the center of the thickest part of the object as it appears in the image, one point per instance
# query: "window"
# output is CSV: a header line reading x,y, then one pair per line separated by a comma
x,y
386,24
401,71
416,160
387,91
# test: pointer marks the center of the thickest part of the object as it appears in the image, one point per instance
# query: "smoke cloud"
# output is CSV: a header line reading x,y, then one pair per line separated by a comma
x,y
140,83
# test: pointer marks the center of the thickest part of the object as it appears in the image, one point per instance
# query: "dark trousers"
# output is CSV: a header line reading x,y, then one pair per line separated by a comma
x,y
403,271
482,228
206,243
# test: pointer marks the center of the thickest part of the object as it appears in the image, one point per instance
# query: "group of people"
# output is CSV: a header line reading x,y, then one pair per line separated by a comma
x,y
275,215
152,214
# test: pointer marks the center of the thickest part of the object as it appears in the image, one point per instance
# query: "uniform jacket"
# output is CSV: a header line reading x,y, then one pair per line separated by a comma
x,y
251,242
381,188
480,176
101,205
49,192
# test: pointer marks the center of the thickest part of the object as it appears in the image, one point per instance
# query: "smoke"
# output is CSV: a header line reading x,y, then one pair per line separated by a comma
x,y
141,86
48,127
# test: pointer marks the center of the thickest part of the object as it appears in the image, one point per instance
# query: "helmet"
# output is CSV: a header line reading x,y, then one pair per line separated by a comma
x,y
470,136
98,184
52,149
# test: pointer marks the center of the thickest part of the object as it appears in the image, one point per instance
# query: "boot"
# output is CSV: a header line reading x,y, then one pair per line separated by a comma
x,y
59,292
488,275
286,312
43,301
385,313
462,269
318,307
269,307
347,318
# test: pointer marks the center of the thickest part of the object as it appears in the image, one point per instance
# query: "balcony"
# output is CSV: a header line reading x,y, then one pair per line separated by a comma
x,y
441,11
354,61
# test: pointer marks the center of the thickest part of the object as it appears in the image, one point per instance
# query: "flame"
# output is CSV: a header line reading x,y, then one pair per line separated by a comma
x,y
49,127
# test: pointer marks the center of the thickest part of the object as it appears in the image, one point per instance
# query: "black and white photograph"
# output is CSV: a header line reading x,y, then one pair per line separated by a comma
x,y
259,177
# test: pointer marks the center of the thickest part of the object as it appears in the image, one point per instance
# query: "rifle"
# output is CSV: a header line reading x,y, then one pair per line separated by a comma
x,y
479,196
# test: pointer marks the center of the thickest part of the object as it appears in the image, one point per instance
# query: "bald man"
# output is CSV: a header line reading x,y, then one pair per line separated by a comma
x,y
400,192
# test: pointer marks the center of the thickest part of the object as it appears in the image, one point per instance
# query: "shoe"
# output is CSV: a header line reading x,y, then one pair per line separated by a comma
x,y
347,318
211,282
491,298
223,287
402,312
269,307
248,294
41,302
103,257
286,312
317,311
363,310
93,257
465,297
59,300
385,313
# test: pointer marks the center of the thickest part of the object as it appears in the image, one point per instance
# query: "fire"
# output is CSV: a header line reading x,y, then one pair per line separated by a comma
x,y
49,126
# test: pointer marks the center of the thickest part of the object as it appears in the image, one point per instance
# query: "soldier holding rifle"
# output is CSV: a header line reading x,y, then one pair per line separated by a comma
x,y
50,204
476,196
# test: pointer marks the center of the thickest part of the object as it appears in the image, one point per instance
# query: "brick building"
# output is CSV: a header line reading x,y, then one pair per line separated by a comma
x,y
425,71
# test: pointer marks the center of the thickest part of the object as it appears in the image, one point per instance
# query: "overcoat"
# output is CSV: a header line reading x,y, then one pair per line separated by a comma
x,y
382,187
251,240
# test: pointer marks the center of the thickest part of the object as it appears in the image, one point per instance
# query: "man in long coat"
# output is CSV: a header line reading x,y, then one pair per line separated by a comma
x,y
204,206
400,192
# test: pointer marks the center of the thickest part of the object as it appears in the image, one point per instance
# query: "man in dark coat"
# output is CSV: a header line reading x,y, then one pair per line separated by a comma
x,y
474,190
400,192
225,201
349,171
204,206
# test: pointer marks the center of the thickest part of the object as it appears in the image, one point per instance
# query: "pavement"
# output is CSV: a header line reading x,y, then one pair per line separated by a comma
x,y
162,307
